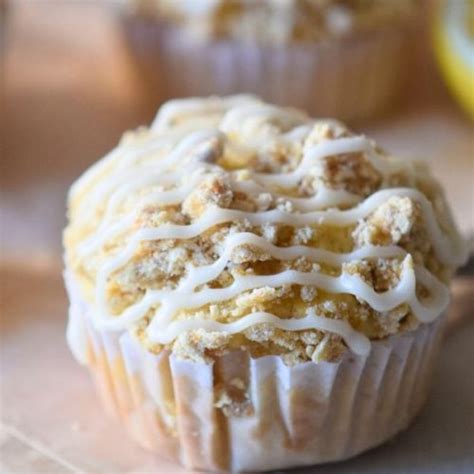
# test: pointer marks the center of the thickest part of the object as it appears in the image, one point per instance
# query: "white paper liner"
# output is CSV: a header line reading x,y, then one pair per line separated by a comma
x,y
351,79
273,416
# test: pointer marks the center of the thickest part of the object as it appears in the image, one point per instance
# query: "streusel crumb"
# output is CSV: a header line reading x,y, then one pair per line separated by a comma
x,y
250,167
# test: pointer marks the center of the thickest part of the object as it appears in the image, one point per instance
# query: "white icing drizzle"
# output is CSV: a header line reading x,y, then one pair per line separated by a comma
x,y
201,275
216,216
179,108
236,117
357,342
172,178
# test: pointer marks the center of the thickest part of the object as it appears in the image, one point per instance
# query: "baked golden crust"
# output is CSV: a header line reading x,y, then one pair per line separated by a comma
x,y
242,149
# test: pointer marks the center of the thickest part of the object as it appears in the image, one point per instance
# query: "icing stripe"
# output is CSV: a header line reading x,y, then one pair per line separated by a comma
x,y
357,342
444,249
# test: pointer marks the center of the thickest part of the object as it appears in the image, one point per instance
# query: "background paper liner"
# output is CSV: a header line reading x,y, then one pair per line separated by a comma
x,y
350,79
241,413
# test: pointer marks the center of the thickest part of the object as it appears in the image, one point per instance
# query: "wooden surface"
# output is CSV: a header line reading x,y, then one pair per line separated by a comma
x,y
69,89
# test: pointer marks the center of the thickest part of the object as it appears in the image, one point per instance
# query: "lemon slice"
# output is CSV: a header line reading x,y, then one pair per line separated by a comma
x,y
453,36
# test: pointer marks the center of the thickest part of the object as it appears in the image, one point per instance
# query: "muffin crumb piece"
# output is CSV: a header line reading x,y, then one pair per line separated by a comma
x,y
330,349
213,191
389,224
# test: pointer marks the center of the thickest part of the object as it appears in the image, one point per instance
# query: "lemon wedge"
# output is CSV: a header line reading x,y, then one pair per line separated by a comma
x,y
453,37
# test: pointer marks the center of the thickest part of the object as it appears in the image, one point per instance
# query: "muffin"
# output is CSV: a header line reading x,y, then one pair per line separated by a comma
x,y
336,58
254,289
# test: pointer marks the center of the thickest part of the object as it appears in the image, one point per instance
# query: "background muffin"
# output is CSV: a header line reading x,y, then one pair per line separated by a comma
x,y
227,270
348,59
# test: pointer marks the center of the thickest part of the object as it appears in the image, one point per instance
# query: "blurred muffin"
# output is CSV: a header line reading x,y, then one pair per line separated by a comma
x,y
343,58
255,289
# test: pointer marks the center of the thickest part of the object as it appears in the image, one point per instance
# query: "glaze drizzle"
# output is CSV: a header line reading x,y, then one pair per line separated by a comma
x,y
187,164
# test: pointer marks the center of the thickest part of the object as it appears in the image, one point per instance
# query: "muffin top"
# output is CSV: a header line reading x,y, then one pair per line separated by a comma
x,y
279,21
235,224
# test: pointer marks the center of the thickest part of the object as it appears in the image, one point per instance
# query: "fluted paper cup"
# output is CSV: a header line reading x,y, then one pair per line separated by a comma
x,y
351,78
244,414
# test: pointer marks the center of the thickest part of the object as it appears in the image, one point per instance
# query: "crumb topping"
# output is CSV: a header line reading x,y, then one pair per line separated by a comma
x,y
238,169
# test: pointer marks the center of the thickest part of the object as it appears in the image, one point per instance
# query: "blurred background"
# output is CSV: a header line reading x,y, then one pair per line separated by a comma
x,y
71,84
72,80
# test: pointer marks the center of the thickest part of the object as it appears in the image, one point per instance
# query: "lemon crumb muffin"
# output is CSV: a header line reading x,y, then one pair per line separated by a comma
x,y
255,289
345,58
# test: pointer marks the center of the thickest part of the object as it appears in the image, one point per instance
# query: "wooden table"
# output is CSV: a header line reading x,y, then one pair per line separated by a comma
x,y
70,88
